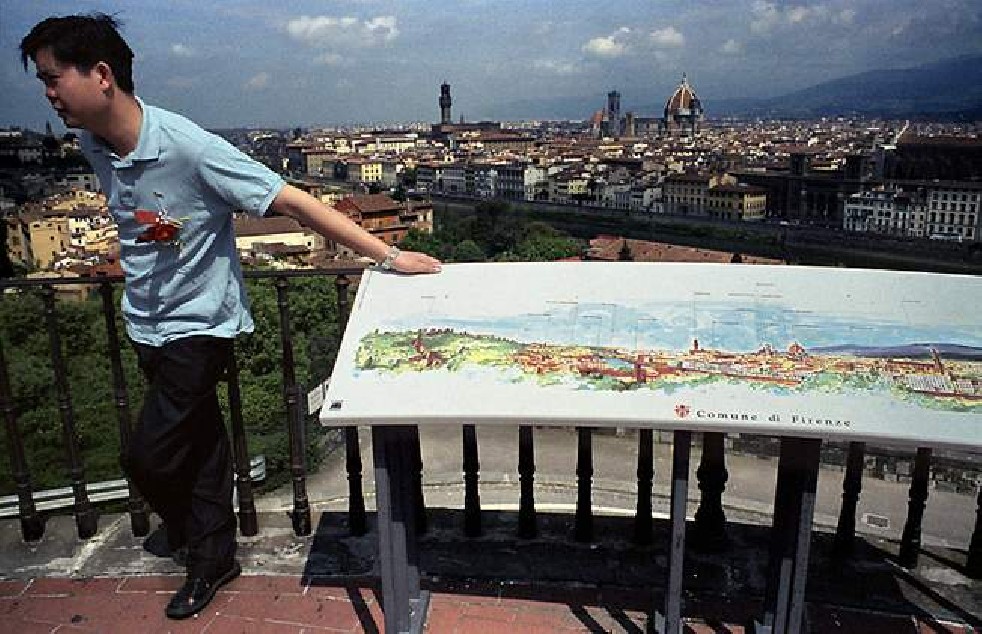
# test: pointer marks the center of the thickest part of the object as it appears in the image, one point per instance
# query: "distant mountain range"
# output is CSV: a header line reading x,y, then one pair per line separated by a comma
x,y
949,89
910,351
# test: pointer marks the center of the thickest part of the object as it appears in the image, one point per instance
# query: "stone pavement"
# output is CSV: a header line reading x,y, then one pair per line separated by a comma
x,y
326,582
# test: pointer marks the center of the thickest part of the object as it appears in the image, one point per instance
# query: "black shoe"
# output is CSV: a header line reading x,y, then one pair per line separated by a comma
x,y
197,593
161,544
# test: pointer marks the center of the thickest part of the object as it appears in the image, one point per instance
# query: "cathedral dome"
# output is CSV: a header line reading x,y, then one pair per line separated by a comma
x,y
683,102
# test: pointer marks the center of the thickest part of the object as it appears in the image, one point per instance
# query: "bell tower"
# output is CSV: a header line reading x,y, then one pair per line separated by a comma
x,y
445,103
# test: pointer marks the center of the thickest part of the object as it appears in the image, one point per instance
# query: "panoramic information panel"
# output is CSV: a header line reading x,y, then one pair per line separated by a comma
x,y
822,352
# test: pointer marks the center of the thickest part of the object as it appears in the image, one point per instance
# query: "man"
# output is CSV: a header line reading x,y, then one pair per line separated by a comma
x,y
172,188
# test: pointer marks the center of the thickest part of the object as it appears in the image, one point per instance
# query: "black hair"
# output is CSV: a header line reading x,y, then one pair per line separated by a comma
x,y
83,41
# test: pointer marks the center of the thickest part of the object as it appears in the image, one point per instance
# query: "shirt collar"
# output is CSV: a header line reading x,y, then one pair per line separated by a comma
x,y
147,145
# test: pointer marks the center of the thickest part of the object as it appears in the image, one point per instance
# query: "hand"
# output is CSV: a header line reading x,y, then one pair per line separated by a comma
x,y
413,262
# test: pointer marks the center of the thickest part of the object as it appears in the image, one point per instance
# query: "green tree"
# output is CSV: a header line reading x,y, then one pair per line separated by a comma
x,y
468,251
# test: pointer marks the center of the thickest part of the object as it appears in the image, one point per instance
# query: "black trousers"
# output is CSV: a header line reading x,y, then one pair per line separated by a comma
x,y
179,456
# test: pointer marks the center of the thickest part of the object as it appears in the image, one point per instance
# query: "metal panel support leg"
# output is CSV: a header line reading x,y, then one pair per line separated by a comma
x,y
794,509
403,603
669,620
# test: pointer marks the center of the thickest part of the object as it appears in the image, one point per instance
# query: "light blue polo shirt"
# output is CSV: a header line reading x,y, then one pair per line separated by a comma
x,y
195,288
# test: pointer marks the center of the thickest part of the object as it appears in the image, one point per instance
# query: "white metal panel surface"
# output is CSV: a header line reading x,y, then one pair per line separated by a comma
x,y
780,350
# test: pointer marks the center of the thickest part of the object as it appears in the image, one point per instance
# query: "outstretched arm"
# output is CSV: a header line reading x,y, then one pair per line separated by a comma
x,y
334,225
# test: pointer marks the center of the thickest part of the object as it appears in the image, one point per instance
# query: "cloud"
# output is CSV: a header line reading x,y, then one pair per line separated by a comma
x,y
329,59
765,16
613,45
331,32
182,50
557,67
731,47
669,37
768,16
258,82
798,14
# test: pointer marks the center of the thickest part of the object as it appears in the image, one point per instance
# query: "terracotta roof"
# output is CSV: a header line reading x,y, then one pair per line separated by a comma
x,y
684,98
367,204
607,247
248,226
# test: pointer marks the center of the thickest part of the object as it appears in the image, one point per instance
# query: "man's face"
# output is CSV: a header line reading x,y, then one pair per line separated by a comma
x,y
75,95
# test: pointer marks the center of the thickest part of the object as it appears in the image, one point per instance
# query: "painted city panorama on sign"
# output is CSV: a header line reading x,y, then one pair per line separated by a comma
x,y
937,375
874,354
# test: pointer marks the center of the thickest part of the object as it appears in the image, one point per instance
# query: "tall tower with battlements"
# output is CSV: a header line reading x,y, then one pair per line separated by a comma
x,y
614,113
445,103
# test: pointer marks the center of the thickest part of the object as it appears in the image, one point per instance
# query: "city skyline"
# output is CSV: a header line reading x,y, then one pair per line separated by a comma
x,y
244,63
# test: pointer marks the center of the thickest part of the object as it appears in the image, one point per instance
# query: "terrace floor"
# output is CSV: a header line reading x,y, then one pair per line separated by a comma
x,y
327,581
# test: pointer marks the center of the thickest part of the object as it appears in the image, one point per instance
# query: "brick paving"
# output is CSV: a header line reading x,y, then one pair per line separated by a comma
x,y
255,604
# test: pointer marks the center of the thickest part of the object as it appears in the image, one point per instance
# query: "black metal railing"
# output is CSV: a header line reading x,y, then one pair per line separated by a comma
x,y
710,526
32,524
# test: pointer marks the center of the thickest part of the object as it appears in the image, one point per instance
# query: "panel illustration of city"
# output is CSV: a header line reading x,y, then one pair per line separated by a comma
x,y
757,349
863,354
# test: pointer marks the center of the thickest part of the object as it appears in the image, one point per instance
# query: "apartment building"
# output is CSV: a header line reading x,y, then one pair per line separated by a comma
x,y
569,186
953,209
384,217
50,238
519,180
885,210
736,202
19,241
364,170
685,194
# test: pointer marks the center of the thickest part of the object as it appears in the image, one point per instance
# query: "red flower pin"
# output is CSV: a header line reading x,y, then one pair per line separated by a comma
x,y
160,226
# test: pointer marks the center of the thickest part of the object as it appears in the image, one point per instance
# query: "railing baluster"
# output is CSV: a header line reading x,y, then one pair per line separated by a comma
x,y
852,486
417,482
248,521
584,479
85,513
295,421
709,529
527,528
646,475
973,565
472,495
31,524
357,520
910,541
342,286
139,518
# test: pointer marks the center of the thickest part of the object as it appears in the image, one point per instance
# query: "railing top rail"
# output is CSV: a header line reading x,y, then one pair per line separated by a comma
x,y
24,282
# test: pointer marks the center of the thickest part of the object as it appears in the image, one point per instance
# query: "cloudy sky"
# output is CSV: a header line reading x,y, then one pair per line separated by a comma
x,y
318,62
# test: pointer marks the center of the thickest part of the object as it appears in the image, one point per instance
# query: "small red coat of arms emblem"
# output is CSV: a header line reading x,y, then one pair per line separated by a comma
x,y
682,410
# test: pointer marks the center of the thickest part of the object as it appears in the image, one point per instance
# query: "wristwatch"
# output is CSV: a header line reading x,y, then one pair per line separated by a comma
x,y
389,262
